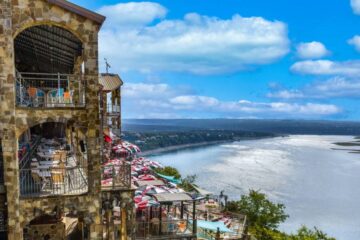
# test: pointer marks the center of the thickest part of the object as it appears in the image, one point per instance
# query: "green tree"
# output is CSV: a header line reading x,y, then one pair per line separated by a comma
x,y
305,233
187,183
260,211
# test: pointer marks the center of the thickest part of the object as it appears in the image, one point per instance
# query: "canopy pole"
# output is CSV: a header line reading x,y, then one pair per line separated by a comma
x,y
160,220
194,218
182,210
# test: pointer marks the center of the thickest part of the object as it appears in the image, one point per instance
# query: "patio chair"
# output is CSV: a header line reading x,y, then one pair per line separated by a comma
x,y
32,95
39,181
57,180
57,157
63,156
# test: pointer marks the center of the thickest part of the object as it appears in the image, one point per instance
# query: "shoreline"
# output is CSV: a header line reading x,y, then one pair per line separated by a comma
x,y
182,147
194,145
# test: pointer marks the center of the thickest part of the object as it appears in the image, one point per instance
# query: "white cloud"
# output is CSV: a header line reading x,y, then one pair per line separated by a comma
x,y
326,67
143,90
336,87
162,100
312,50
355,4
355,41
196,44
129,15
286,94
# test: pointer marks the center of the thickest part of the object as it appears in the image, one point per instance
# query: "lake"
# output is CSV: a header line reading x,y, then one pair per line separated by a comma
x,y
319,186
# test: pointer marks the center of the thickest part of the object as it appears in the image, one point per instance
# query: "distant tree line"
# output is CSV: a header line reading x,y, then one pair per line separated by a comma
x,y
155,140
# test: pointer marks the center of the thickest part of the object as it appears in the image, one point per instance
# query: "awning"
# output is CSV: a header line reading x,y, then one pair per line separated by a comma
x,y
172,197
202,192
213,226
150,183
110,82
169,178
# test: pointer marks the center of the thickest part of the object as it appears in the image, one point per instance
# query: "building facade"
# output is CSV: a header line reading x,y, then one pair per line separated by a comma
x,y
49,92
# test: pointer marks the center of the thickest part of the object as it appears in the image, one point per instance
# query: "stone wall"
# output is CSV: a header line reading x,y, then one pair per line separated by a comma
x,y
126,203
15,16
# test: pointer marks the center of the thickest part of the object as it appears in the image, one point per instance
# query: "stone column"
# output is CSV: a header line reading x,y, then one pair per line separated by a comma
x,y
7,122
94,133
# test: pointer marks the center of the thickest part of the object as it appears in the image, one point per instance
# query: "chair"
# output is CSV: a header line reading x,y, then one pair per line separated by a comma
x,y
67,98
32,95
57,157
63,156
39,181
60,95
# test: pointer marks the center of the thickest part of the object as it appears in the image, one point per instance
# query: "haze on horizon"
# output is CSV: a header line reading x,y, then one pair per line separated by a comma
x,y
238,59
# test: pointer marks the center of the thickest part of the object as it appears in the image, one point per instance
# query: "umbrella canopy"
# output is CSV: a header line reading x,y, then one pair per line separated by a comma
x,y
213,226
169,178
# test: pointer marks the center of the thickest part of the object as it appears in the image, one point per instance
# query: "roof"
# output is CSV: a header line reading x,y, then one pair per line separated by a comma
x,y
203,192
172,197
79,10
110,81
150,183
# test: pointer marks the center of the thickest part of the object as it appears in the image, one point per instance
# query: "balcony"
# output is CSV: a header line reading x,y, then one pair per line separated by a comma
x,y
45,182
113,110
170,229
116,177
49,90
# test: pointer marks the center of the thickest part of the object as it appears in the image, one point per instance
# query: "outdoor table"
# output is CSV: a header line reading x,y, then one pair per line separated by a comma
x,y
49,163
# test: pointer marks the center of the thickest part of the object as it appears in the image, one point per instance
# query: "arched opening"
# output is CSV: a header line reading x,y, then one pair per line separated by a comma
x,y
53,160
56,225
48,61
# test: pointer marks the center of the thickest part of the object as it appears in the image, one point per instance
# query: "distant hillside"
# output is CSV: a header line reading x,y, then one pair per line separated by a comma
x,y
253,125
154,140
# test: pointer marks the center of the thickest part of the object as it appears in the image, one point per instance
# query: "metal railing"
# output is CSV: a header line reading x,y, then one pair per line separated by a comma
x,y
49,90
116,176
113,109
168,228
53,182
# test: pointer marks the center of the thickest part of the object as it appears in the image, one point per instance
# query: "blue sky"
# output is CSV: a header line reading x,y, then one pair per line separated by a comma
x,y
234,59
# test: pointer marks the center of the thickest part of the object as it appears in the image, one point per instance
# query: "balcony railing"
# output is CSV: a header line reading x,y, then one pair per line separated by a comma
x,y
112,109
116,177
169,229
53,182
49,90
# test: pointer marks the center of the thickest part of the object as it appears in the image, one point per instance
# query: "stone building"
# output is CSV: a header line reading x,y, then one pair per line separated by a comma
x,y
50,125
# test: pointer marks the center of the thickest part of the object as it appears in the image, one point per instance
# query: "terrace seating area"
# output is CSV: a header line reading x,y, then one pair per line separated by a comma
x,y
48,90
50,167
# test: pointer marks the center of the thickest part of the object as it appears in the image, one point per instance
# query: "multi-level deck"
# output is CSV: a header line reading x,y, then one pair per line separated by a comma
x,y
50,120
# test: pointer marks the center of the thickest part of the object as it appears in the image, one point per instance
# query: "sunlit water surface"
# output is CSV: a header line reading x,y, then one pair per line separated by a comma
x,y
319,186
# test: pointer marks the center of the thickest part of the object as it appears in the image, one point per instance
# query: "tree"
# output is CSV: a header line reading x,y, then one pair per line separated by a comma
x,y
260,211
187,183
310,234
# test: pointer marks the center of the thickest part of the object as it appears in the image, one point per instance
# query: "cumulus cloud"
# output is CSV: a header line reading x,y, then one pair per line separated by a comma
x,y
167,101
129,15
355,4
197,44
311,50
335,87
327,67
355,41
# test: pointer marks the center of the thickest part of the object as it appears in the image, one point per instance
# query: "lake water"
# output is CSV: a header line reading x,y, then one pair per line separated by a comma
x,y
319,186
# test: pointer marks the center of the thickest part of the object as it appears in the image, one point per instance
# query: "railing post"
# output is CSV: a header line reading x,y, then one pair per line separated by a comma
x,y
113,176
